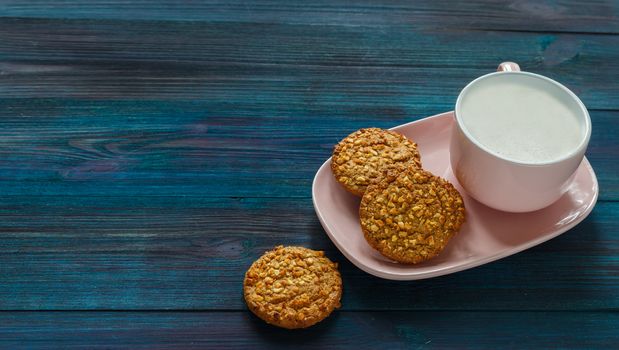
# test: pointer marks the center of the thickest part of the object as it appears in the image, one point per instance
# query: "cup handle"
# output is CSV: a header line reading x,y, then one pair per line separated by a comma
x,y
508,67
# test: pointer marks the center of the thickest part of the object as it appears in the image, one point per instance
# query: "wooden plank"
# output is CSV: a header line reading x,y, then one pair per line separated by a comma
x,y
571,15
343,330
82,252
197,148
289,64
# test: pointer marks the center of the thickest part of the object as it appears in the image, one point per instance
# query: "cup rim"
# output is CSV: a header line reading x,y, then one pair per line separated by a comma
x,y
575,152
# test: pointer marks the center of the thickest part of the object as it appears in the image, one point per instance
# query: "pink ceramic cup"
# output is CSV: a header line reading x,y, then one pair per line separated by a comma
x,y
507,184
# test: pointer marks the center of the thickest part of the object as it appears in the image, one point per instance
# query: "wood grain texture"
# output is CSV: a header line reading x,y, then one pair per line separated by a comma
x,y
73,253
196,148
343,330
288,64
151,150
571,15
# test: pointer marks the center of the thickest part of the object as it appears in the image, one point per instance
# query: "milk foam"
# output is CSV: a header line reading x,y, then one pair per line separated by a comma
x,y
522,118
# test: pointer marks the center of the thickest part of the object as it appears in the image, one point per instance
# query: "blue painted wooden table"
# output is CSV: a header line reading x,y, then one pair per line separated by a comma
x,y
150,151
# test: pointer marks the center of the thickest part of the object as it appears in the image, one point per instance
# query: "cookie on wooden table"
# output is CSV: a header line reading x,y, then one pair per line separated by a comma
x,y
292,287
411,215
364,156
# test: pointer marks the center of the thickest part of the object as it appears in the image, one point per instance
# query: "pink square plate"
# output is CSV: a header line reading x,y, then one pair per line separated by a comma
x,y
486,236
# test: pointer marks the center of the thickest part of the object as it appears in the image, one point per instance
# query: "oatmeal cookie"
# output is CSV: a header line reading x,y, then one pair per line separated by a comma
x,y
364,156
292,287
410,216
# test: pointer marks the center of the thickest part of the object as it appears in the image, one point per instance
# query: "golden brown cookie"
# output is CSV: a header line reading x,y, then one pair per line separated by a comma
x,y
410,216
292,287
364,156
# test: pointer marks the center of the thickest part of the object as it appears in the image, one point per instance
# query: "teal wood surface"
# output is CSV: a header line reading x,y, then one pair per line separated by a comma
x,y
344,330
549,15
150,151
188,253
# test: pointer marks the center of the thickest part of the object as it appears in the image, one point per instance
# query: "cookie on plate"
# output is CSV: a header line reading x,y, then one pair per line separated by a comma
x,y
292,287
411,215
364,156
